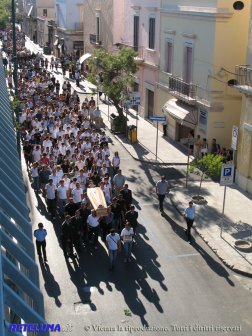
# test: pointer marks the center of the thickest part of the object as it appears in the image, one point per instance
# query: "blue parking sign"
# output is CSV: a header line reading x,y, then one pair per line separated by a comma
x,y
227,174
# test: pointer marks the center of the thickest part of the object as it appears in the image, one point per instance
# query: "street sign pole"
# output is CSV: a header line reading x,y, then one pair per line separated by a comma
x,y
157,141
223,210
227,178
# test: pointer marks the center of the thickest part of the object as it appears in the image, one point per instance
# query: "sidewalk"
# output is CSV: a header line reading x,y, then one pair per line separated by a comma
x,y
237,220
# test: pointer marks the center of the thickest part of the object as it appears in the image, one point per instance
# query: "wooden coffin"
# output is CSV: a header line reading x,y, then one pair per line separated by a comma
x,y
97,200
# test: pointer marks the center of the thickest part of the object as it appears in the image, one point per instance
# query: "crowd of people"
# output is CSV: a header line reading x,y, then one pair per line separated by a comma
x,y
67,152
200,147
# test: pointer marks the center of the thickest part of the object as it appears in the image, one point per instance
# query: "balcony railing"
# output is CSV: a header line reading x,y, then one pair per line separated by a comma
x,y
94,39
181,89
243,79
191,93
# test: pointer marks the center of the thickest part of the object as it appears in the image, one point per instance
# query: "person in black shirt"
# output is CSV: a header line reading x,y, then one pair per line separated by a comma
x,y
65,166
131,216
70,207
127,195
77,227
28,153
67,237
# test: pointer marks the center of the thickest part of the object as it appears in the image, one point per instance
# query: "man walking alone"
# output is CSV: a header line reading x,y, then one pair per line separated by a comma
x,y
189,216
40,235
161,190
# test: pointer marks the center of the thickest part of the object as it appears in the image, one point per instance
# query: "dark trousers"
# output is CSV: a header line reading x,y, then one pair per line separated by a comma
x,y
93,233
165,130
161,201
67,246
51,205
41,245
189,223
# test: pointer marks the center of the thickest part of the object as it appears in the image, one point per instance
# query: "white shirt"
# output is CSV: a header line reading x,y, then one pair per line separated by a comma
x,y
36,155
50,191
77,193
62,192
127,235
92,221
112,241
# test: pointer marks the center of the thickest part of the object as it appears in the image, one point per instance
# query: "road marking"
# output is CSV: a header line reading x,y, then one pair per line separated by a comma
x,y
148,204
185,255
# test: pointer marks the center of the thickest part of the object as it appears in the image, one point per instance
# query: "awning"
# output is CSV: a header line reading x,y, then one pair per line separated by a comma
x,y
183,113
84,57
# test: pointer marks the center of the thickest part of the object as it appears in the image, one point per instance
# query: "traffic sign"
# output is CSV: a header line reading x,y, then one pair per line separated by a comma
x,y
227,174
135,98
234,137
157,118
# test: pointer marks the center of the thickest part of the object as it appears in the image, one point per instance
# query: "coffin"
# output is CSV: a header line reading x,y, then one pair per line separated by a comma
x,y
97,200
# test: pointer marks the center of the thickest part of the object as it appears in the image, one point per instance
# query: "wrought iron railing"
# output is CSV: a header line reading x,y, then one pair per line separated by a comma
x,y
243,75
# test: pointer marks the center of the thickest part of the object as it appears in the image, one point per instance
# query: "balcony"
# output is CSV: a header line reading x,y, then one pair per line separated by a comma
x,y
182,90
95,39
191,94
243,79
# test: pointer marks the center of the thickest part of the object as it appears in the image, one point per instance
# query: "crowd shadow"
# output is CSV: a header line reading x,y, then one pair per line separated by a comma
x,y
91,269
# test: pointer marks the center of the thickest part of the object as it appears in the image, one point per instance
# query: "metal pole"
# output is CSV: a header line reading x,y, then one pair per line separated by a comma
x,y
15,71
157,141
126,121
187,166
108,108
223,209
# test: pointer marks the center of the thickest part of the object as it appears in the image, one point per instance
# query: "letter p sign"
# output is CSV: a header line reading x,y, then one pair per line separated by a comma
x,y
227,172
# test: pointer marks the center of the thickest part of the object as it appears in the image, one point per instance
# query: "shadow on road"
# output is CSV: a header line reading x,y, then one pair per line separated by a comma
x,y
51,285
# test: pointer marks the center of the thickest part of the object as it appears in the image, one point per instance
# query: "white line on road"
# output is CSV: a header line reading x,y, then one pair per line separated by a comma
x,y
185,255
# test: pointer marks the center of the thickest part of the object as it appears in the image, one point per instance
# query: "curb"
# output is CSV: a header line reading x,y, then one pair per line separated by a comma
x,y
231,267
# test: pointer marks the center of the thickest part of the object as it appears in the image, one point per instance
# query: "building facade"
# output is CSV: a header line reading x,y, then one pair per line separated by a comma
x,y
199,46
45,12
244,148
137,25
69,27
98,18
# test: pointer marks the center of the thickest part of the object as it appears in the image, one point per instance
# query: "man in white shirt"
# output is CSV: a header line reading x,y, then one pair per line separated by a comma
x,y
113,243
62,197
127,237
93,225
77,194
51,198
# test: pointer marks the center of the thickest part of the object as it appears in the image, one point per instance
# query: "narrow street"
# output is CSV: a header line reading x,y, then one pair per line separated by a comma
x,y
171,287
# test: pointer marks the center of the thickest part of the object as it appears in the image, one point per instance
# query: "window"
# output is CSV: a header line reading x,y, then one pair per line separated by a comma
x,y
152,33
169,57
188,61
45,12
136,32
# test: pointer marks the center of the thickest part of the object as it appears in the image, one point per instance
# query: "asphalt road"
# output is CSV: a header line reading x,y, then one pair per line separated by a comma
x,y
171,288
